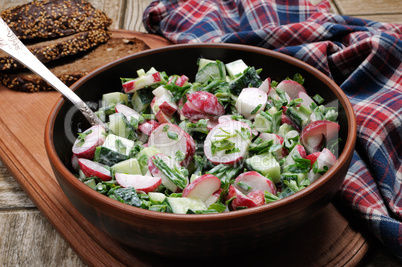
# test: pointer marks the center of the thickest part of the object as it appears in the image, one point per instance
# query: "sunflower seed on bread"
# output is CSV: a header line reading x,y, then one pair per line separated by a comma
x,y
70,69
54,18
57,48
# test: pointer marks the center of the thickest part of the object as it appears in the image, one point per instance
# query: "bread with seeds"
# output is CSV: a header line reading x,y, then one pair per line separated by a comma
x,y
54,18
57,48
70,69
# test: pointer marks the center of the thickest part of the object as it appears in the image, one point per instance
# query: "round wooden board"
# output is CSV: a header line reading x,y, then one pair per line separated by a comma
x,y
328,240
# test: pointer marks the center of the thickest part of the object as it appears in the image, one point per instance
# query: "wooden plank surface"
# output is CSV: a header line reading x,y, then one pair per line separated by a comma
x,y
26,236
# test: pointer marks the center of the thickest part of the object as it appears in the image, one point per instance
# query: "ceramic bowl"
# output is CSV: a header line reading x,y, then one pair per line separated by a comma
x,y
189,236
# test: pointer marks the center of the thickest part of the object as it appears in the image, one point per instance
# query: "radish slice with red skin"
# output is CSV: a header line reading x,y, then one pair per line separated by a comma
x,y
127,111
180,81
325,159
158,173
206,102
96,136
307,101
162,117
255,181
312,136
214,198
139,182
292,88
239,199
266,85
148,126
258,197
229,118
171,139
193,113
92,168
223,129
203,187
141,82
313,157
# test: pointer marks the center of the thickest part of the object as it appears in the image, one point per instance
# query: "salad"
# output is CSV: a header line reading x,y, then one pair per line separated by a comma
x,y
229,140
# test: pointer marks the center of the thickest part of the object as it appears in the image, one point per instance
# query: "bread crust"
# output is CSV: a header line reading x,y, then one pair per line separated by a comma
x,y
54,18
70,69
57,48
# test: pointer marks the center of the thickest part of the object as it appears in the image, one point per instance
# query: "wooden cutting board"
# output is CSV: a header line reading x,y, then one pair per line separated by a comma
x,y
329,240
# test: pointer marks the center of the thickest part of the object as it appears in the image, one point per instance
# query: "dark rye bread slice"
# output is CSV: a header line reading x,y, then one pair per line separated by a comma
x,y
70,69
57,48
54,18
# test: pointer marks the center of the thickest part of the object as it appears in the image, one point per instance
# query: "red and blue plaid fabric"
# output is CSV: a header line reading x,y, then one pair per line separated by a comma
x,y
363,57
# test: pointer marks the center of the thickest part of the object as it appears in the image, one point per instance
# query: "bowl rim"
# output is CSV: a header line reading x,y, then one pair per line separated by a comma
x,y
112,205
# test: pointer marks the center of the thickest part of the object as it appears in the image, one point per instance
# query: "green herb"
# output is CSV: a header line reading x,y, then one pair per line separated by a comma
x,y
318,99
165,128
172,135
82,136
269,197
256,109
173,174
222,144
298,78
244,185
179,156
120,146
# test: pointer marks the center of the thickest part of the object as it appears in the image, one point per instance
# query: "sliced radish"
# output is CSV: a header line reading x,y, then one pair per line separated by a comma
x,y
141,82
74,162
224,118
127,111
307,101
324,161
313,157
94,136
203,187
139,182
250,102
170,139
180,80
315,133
253,181
287,120
206,102
266,85
92,168
193,113
297,150
214,198
228,132
258,197
292,88
163,101
278,140
239,199
158,173
162,117
148,126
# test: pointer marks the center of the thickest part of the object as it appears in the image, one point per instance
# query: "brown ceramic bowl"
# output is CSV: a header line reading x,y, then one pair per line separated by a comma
x,y
208,235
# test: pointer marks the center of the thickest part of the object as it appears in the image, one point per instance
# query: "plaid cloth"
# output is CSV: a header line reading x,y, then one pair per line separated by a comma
x,y
363,57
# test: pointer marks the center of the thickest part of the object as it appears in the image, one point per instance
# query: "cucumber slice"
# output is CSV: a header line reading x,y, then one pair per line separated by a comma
x,y
298,177
235,68
156,197
108,156
265,164
262,124
141,99
114,98
211,71
119,144
118,125
203,61
180,205
129,166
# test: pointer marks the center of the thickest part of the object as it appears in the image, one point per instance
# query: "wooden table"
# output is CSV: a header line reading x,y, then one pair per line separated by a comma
x,y
28,239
